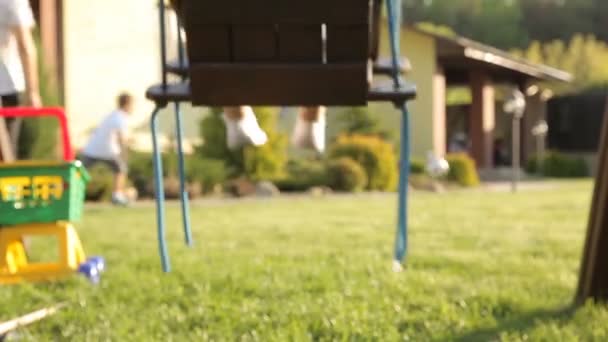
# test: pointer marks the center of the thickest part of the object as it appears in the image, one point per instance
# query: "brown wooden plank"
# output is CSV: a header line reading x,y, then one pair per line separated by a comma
x,y
210,44
205,12
276,84
593,279
347,43
340,12
375,29
253,43
300,43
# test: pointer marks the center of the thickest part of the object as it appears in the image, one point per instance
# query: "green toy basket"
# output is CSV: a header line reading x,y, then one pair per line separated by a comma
x,y
39,192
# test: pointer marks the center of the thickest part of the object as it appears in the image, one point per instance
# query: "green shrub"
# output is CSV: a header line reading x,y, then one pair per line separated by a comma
x,y
360,120
213,132
345,174
101,184
302,174
375,155
38,136
417,167
462,170
558,165
141,173
207,172
265,162
532,166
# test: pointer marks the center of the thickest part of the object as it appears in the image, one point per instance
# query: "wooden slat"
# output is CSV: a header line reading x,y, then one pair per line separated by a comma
x,y
205,12
381,91
340,12
347,43
593,280
382,66
253,43
375,28
300,43
268,84
210,43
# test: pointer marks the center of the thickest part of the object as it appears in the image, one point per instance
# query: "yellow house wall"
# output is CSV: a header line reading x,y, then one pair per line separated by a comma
x,y
109,46
421,51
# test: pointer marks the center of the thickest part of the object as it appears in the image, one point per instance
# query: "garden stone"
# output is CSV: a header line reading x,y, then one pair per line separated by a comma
x,y
318,191
242,187
266,189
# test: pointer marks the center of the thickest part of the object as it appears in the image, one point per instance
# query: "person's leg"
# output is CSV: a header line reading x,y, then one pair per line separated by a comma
x,y
13,125
120,182
309,131
121,171
242,127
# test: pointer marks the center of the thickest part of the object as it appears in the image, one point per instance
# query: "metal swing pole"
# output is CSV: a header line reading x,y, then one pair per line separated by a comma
x,y
185,201
156,153
159,193
394,22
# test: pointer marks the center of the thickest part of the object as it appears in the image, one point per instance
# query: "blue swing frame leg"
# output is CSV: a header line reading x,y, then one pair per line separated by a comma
x,y
394,22
185,200
404,173
159,193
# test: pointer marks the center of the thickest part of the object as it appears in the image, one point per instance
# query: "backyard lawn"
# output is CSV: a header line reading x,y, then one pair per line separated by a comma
x,y
482,266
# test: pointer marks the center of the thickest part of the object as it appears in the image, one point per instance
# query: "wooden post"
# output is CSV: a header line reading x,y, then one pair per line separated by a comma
x,y
593,281
482,118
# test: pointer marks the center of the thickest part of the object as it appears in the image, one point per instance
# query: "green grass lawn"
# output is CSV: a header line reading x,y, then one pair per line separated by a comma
x,y
482,266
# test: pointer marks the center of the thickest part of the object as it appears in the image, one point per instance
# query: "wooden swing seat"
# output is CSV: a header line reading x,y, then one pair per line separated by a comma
x,y
282,52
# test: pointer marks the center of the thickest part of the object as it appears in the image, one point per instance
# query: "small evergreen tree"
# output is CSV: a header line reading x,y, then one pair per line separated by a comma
x,y
265,162
359,120
38,136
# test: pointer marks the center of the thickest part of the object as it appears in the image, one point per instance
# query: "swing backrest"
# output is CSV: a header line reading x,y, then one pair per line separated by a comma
x,y
278,52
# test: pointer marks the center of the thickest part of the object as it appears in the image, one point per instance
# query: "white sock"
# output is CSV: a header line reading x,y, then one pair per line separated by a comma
x,y
310,134
245,131
119,196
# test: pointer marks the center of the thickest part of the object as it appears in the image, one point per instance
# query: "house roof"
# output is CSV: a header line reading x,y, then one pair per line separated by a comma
x,y
458,54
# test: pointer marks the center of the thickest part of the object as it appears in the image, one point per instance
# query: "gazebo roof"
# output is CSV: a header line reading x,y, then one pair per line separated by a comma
x,y
458,55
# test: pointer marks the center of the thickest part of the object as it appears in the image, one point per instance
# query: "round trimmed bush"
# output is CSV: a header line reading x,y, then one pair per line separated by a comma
x,y
375,155
345,174
417,167
558,165
462,170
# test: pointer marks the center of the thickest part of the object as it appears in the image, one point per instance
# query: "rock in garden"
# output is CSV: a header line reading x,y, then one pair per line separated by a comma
x,y
266,189
317,191
242,187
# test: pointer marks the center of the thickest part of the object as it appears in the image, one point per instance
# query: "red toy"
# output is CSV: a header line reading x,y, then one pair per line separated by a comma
x,y
59,113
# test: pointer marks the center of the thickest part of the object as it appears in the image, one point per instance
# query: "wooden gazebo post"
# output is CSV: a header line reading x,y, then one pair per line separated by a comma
x,y
593,281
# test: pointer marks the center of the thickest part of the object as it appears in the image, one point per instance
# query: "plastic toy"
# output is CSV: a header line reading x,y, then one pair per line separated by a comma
x,y
41,199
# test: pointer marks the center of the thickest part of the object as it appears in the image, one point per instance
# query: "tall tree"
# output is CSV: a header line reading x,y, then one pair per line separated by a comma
x,y
513,23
